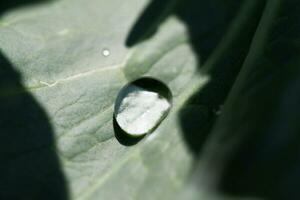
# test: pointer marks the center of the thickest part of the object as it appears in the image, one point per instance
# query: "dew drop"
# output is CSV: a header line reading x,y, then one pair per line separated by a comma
x,y
105,52
219,110
142,105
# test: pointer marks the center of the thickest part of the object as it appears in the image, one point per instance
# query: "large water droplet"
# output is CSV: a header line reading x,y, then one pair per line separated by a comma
x,y
141,105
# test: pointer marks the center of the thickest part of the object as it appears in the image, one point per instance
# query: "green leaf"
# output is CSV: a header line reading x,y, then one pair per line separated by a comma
x,y
57,93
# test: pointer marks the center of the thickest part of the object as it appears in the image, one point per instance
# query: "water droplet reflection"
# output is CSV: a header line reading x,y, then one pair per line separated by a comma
x,y
142,105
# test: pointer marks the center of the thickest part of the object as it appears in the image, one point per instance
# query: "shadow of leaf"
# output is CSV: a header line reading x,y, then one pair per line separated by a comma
x,y
29,168
12,4
209,23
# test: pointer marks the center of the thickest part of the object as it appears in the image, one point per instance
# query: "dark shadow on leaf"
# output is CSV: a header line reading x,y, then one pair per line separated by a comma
x,y
266,162
196,122
7,5
207,23
151,17
29,169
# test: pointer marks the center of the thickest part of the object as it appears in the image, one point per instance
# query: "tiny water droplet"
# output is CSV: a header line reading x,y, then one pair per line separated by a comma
x,y
105,52
141,105
219,110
